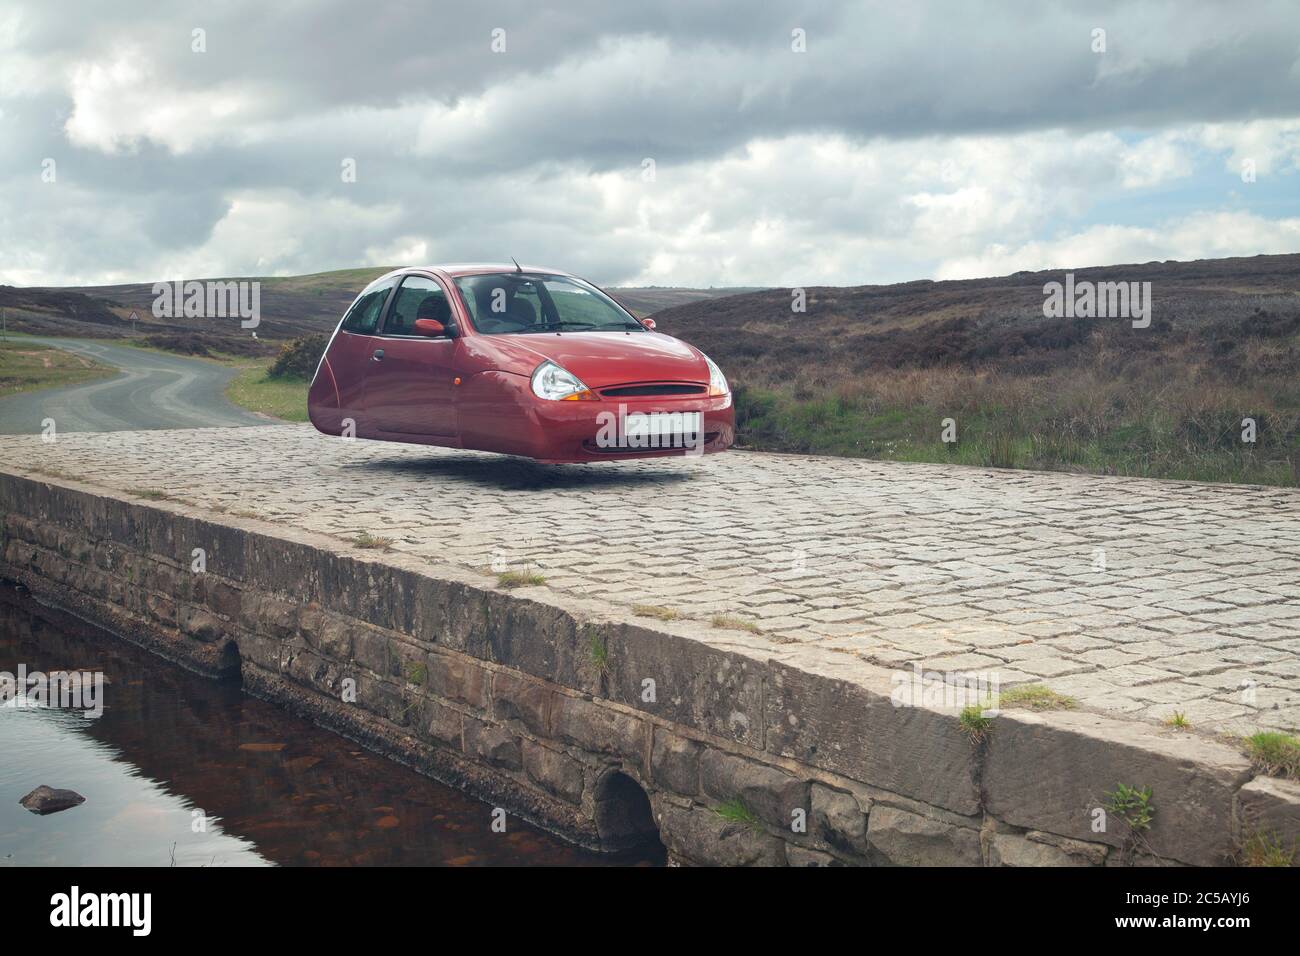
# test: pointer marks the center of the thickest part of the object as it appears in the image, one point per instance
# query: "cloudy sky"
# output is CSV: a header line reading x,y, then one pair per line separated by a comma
x,y
672,143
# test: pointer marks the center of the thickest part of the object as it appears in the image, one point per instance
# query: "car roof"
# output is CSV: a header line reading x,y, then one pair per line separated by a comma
x,y
455,269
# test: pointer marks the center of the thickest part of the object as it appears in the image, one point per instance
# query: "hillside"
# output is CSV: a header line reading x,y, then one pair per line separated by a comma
x,y
290,307
873,370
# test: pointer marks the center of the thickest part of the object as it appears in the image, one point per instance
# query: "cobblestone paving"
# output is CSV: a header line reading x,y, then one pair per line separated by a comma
x,y
1134,596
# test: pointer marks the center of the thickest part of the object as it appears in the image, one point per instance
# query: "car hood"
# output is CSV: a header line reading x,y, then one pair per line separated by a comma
x,y
602,359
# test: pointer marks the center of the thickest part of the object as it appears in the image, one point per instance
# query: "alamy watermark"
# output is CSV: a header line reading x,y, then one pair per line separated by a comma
x,y
1098,300
921,688
129,910
67,690
650,431
212,299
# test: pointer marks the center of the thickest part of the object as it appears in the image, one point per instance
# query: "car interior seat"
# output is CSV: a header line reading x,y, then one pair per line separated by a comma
x,y
436,307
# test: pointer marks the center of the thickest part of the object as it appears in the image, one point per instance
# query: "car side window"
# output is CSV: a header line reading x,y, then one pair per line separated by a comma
x,y
363,317
419,298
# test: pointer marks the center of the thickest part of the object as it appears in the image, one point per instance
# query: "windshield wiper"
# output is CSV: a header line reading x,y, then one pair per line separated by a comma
x,y
570,325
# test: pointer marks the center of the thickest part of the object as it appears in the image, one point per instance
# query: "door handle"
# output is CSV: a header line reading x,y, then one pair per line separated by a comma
x,y
379,354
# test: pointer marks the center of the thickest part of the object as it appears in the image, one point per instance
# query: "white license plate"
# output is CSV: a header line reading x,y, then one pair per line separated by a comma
x,y
664,423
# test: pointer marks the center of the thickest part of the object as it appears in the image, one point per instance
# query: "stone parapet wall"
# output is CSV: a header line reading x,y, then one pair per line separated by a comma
x,y
549,711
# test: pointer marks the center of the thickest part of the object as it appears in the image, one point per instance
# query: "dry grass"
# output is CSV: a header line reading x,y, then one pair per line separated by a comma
x,y
519,579
732,622
656,611
368,541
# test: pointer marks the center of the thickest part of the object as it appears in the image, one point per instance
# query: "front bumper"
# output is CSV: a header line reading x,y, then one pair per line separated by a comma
x,y
606,430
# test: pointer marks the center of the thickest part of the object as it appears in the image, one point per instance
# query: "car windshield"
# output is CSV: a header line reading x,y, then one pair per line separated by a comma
x,y
515,303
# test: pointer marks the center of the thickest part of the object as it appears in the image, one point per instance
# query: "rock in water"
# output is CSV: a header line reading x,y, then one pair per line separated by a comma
x,y
45,800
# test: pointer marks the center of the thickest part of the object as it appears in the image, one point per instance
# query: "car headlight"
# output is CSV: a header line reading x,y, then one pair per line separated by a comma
x,y
559,385
717,381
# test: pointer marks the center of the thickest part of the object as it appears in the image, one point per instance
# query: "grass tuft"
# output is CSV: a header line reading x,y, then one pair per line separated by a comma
x,y
371,542
151,494
655,611
1275,754
735,623
1035,697
1266,849
599,651
519,579
974,722
1132,805
1178,720
735,811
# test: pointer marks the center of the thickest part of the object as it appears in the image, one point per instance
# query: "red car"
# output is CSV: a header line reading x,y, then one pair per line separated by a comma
x,y
520,361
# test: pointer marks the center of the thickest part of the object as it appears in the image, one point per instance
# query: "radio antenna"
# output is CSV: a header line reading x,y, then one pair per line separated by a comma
x,y
518,267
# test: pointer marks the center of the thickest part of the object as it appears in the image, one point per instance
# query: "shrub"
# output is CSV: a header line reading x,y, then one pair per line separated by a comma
x,y
298,358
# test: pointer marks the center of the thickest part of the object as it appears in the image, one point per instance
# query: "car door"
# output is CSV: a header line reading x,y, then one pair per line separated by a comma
x,y
349,354
410,377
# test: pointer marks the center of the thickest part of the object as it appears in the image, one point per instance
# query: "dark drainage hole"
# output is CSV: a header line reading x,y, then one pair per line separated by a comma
x,y
624,818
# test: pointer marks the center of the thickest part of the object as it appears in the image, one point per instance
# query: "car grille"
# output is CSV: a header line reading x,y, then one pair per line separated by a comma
x,y
666,388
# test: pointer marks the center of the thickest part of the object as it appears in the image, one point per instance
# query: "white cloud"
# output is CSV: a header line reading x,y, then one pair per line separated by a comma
x,y
907,142
1203,235
1273,145
120,103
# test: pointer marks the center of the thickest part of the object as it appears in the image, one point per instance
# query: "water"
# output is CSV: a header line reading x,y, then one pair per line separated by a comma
x,y
171,747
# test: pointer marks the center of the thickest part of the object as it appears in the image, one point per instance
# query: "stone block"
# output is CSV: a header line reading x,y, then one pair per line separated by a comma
x,y
675,763
698,686
1270,812
701,836
770,794
802,856
851,727
1011,849
597,728
516,698
554,771
902,838
838,820
1051,772
444,723
497,745
199,624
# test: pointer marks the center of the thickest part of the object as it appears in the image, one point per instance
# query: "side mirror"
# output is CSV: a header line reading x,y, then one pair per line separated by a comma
x,y
430,327
649,324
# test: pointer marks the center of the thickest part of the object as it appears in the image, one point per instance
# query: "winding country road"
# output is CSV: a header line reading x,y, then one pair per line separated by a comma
x,y
154,390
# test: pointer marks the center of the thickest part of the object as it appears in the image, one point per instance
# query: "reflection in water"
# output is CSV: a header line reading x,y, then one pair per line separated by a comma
x,y
172,747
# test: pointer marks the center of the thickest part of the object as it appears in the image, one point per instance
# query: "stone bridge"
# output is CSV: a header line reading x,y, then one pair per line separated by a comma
x,y
728,634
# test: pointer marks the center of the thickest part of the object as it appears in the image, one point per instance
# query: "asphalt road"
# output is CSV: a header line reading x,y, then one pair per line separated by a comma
x,y
153,390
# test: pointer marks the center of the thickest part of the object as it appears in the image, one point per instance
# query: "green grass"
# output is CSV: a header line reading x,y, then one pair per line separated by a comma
x,y
1178,720
735,811
1266,849
656,611
26,366
280,398
1035,697
973,721
370,542
1044,425
1275,754
599,652
519,579
417,672
1132,805
735,623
